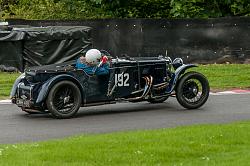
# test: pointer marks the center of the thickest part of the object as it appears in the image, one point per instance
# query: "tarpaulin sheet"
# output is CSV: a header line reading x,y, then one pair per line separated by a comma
x,y
11,51
11,56
44,45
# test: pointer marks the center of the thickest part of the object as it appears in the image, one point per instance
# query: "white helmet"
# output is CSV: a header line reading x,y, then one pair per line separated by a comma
x,y
93,56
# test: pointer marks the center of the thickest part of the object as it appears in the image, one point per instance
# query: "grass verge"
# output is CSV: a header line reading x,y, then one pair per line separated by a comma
x,y
221,77
6,82
224,144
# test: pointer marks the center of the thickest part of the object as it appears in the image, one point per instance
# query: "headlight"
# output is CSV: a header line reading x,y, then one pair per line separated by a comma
x,y
177,63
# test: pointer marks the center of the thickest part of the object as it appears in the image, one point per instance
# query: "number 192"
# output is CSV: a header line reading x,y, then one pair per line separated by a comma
x,y
122,79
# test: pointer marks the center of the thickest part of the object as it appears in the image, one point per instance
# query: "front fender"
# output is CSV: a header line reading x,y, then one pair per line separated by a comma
x,y
176,75
51,82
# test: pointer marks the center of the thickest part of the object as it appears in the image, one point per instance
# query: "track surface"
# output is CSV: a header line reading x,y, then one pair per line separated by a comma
x,y
17,126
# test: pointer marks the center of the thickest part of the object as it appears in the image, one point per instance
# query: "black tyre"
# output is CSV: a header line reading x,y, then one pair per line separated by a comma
x,y
64,100
158,100
192,90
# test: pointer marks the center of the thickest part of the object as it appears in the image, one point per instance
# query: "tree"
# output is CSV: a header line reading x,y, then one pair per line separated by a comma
x,y
4,6
85,9
209,8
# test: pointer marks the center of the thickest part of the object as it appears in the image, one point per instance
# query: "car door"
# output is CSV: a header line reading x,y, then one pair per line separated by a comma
x,y
123,80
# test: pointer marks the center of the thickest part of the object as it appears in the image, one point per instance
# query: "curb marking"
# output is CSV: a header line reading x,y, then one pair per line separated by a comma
x,y
5,102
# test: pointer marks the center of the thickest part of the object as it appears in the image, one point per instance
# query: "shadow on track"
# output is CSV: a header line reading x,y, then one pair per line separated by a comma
x,y
120,108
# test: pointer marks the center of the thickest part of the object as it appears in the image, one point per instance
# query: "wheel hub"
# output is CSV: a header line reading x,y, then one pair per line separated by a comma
x,y
195,90
191,90
66,99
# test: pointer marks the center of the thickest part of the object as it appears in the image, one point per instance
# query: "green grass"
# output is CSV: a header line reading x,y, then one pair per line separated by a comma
x,y
223,144
6,82
220,77
227,76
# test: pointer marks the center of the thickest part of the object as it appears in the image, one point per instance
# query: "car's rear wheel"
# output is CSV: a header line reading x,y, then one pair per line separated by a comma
x,y
64,99
192,90
157,100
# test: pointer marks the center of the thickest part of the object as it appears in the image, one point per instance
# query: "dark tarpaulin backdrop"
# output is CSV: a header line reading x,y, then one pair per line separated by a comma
x,y
10,51
195,40
32,46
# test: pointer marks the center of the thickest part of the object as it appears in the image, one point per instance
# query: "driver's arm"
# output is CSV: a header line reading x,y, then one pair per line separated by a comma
x,y
103,70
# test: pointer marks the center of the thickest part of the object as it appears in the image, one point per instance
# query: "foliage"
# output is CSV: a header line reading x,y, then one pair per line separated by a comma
x,y
52,9
86,9
240,7
210,8
137,8
4,6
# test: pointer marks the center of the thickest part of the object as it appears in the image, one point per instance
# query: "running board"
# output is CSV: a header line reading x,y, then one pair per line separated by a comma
x,y
98,103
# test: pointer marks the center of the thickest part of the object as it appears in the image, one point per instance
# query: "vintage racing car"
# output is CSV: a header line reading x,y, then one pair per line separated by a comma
x,y
61,89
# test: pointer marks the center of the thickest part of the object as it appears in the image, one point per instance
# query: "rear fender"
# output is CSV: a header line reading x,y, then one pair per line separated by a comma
x,y
51,82
176,75
14,87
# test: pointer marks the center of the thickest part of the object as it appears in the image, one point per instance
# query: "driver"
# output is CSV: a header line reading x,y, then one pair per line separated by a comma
x,y
93,63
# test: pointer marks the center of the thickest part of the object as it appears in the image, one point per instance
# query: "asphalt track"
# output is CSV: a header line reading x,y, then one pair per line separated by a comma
x,y
17,126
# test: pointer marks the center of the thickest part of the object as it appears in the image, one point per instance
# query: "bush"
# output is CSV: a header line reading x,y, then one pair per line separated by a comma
x,y
51,9
86,9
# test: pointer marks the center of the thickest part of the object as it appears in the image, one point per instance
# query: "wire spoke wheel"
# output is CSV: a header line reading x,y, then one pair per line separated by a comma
x,y
192,90
64,99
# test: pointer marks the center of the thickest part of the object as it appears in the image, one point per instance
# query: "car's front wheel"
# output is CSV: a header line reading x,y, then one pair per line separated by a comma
x,y
192,90
64,99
